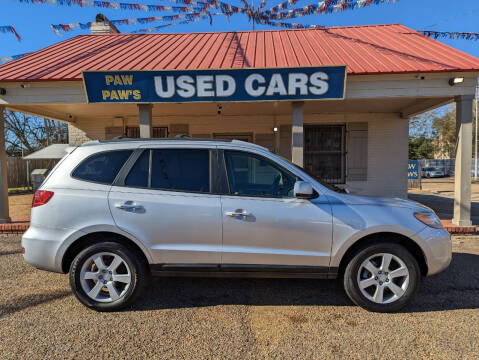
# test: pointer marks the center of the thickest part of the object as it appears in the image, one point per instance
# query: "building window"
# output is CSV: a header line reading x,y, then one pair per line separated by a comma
x,y
158,132
325,152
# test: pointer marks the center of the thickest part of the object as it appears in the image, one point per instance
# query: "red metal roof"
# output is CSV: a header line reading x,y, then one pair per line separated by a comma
x,y
375,49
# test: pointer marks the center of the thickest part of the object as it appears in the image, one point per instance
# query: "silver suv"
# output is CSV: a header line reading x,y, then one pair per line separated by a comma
x,y
112,213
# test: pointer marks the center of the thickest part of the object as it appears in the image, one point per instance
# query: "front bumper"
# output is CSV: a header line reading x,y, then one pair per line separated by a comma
x,y
437,248
43,246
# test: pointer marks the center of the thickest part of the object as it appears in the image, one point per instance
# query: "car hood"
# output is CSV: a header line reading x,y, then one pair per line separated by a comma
x,y
380,201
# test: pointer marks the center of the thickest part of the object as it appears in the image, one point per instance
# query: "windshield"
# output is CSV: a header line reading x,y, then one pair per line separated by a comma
x,y
322,182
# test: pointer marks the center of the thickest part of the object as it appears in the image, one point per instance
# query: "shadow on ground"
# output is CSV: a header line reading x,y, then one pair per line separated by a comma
x,y
28,301
450,290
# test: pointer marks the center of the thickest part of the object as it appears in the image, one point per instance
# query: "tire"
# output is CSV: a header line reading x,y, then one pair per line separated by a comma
x,y
397,291
124,273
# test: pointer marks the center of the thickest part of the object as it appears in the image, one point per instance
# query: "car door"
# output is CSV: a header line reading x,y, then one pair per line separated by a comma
x,y
165,199
264,224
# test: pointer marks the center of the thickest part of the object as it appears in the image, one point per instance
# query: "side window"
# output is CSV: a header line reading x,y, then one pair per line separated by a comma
x,y
102,167
181,170
253,175
138,175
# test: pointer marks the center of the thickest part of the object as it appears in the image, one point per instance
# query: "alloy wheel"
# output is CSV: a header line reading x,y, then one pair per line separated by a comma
x,y
105,277
383,278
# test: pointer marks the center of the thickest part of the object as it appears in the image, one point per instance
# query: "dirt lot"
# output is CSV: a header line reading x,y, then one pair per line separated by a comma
x,y
240,318
20,206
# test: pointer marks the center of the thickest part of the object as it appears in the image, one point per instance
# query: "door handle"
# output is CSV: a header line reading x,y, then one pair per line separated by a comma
x,y
238,213
129,206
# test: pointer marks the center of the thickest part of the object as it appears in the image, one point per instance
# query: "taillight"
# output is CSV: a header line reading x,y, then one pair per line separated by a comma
x,y
41,197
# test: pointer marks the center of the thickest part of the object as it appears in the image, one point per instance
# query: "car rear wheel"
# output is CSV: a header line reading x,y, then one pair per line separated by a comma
x,y
107,276
382,277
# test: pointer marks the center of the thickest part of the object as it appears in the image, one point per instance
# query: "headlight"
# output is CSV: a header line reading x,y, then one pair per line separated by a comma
x,y
428,218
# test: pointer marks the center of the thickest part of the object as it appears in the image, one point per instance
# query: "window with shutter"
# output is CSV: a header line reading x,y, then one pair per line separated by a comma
x,y
324,152
285,141
179,129
158,131
266,140
357,152
114,131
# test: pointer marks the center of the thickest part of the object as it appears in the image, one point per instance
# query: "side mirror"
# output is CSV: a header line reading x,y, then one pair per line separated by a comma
x,y
303,190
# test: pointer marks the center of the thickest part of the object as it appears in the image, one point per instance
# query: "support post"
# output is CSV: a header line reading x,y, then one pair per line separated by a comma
x,y
297,134
4,211
475,137
146,130
462,179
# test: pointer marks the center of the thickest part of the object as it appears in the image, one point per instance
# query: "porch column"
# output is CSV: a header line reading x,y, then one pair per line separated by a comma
x,y
462,179
146,130
4,212
297,134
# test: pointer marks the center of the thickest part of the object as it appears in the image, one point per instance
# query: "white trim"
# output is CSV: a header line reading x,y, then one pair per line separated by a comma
x,y
357,87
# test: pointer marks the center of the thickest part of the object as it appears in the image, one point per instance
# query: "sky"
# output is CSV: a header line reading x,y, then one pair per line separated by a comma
x,y
32,21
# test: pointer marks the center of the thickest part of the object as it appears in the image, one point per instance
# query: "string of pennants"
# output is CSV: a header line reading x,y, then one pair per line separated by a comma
x,y
454,35
190,5
189,11
322,7
4,60
10,29
160,27
117,5
228,10
187,18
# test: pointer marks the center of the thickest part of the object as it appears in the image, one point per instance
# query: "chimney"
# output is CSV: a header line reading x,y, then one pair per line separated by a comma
x,y
103,26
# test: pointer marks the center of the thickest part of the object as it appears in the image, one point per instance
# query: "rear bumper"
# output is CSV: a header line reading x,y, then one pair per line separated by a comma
x,y
437,248
42,247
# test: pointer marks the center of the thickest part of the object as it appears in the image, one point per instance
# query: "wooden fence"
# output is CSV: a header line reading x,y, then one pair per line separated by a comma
x,y
17,170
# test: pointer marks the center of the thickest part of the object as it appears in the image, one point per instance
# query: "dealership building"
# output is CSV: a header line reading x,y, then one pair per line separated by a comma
x,y
335,100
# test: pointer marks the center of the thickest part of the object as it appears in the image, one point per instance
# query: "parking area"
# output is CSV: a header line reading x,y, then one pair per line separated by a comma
x,y
194,318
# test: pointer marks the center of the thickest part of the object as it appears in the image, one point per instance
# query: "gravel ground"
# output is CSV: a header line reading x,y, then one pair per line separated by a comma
x,y
237,318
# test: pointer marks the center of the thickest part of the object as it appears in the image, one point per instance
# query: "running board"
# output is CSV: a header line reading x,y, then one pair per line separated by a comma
x,y
244,270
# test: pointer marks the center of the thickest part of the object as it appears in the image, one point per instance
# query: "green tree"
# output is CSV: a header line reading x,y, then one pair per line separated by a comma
x,y
420,147
444,131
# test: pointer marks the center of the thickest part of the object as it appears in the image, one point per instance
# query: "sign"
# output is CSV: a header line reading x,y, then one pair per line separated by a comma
x,y
413,170
181,86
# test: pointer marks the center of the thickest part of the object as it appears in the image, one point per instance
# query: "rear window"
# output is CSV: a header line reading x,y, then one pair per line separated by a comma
x,y
102,167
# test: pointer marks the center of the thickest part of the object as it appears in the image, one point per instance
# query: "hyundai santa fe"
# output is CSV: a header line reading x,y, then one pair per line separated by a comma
x,y
113,213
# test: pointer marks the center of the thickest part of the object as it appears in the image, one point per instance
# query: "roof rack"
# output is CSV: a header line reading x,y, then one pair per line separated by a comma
x,y
177,137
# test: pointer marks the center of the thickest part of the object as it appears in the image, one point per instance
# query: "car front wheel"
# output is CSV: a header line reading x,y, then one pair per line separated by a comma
x,y
382,277
107,276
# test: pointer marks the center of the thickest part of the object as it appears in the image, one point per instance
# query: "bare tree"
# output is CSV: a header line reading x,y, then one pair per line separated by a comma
x,y
31,133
